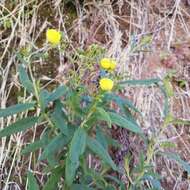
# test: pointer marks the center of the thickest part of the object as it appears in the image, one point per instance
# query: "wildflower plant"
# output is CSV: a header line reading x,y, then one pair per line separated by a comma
x,y
76,125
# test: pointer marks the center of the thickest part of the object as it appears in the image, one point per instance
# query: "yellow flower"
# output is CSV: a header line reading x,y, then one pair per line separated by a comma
x,y
108,64
112,65
106,84
53,36
105,63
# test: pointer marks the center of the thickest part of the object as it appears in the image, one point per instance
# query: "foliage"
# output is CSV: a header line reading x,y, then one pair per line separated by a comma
x,y
78,126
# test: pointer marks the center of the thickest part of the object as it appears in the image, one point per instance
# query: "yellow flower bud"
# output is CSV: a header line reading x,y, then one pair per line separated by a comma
x,y
112,65
106,84
53,36
105,63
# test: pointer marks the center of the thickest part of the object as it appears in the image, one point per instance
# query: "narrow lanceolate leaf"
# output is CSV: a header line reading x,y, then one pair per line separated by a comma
x,y
36,145
104,115
146,82
128,116
60,91
19,126
101,138
54,146
125,123
98,149
32,183
53,160
15,109
24,79
70,171
79,140
33,147
77,148
121,102
59,120
52,183
44,94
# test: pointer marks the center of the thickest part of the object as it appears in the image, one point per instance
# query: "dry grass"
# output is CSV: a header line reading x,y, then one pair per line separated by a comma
x,y
117,26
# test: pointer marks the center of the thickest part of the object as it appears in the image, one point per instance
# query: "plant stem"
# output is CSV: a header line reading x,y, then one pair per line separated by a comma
x,y
34,84
152,146
92,110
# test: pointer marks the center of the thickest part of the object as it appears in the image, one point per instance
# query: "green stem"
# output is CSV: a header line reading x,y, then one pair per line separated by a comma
x,y
92,110
34,84
151,148
36,91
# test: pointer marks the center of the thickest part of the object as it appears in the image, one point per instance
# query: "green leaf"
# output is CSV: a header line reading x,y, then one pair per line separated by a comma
x,y
168,144
70,171
54,146
110,141
58,92
46,97
122,122
74,101
77,148
124,106
36,145
168,87
166,101
24,79
21,59
15,109
33,147
44,94
185,165
100,137
93,119
104,115
98,149
121,102
154,181
52,183
80,187
92,175
32,183
79,140
129,116
154,178
19,126
58,119
113,142
53,160
156,184
146,82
